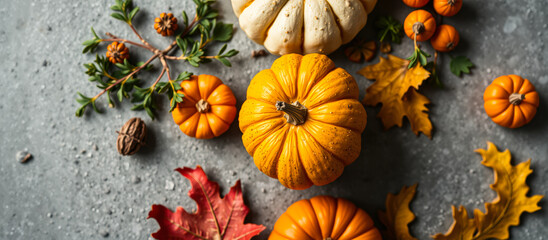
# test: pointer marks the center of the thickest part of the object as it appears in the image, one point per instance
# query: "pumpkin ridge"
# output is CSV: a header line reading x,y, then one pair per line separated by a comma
x,y
300,159
206,96
297,223
222,120
188,96
337,20
350,128
281,84
348,222
266,136
313,84
322,146
267,29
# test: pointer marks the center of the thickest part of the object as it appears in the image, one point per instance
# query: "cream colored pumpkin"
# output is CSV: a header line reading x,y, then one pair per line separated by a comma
x,y
301,26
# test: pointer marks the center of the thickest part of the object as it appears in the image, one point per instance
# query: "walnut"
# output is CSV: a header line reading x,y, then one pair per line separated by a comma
x,y
131,137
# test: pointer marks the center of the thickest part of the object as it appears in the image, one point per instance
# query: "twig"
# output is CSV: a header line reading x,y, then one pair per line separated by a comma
x,y
117,39
127,77
139,35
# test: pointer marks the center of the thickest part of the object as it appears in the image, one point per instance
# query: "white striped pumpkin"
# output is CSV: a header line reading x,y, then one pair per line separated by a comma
x,y
302,26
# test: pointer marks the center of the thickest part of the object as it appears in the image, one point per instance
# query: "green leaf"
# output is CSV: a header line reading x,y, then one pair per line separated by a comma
x,y
184,76
224,61
116,8
459,65
185,18
231,53
149,112
119,17
80,111
211,15
222,50
138,107
222,32
133,13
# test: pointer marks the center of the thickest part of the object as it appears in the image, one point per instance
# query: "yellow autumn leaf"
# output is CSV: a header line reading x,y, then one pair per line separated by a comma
x,y
505,211
395,87
398,215
462,227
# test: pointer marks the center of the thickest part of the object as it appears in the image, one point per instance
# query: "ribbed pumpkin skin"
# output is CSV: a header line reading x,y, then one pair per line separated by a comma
x,y
324,217
213,122
445,8
498,106
445,39
420,16
416,3
302,26
313,153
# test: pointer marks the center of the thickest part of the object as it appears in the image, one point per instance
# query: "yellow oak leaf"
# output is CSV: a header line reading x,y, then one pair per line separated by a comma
x,y
395,87
512,199
505,211
398,215
462,227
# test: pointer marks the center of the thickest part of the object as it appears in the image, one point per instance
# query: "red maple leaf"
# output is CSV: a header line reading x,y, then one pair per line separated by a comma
x,y
216,218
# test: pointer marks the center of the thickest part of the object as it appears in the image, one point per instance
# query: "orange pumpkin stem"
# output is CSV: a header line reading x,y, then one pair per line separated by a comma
x,y
294,113
516,98
202,106
418,28
451,2
328,238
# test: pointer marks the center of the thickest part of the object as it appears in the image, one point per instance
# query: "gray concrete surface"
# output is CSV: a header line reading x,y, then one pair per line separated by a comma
x,y
78,187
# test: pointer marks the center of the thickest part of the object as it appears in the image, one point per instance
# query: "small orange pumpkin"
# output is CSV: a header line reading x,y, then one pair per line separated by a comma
x,y
302,121
324,217
416,3
208,109
445,39
511,101
419,23
447,8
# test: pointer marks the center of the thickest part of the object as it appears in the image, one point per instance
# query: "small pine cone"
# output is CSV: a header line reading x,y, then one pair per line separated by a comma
x,y
117,52
166,24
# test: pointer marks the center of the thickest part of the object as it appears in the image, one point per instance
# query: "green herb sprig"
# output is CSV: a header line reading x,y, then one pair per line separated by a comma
x,y
389,29
121,79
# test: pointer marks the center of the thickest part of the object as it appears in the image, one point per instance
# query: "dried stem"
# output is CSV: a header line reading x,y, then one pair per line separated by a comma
x,y
162,54
139,35
127,77
117,39
159,77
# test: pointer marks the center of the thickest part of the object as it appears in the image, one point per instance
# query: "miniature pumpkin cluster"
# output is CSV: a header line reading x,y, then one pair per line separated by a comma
x,y
421,26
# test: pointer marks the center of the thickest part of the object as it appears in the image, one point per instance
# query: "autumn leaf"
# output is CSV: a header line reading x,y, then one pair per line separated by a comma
x,y
505,211
216,218
462,227
395,87
398,215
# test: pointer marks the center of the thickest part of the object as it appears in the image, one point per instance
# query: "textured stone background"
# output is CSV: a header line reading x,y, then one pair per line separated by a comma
x,y
78,187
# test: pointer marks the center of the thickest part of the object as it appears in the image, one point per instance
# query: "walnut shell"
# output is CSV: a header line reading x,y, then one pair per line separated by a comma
x,y
131,137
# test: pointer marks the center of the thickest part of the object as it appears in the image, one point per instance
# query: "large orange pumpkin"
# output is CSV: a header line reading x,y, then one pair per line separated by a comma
x,y
302,121
208,109
511,101
324,218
